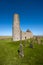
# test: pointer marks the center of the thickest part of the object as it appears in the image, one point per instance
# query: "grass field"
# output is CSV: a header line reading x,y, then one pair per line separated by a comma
x,y
9,55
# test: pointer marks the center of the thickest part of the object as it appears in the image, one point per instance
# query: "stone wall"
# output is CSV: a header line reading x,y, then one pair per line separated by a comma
x,y
26,35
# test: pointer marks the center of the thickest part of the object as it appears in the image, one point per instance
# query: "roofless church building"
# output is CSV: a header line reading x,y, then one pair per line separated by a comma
x,y
16,31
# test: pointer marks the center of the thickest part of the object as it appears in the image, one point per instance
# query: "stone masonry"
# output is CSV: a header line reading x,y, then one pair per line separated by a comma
x,y
16,30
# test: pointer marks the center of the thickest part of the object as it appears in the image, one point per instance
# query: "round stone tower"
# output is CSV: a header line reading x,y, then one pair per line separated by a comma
x,y
16,28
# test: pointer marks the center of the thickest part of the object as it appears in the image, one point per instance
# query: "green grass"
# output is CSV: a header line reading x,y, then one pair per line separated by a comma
x,y
9,55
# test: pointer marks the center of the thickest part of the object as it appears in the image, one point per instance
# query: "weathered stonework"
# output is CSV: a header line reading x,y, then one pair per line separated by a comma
x,y
16,30
26,35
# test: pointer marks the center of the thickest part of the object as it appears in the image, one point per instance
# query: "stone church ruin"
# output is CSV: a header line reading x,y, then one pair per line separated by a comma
x,y
17,34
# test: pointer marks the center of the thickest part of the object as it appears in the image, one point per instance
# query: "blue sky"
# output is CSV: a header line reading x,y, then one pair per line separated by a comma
x,y
31,15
